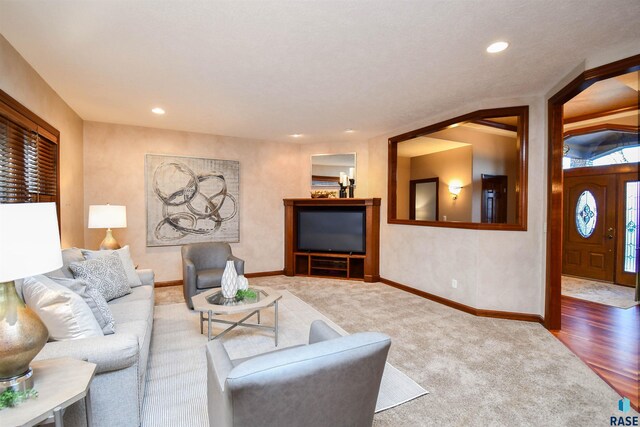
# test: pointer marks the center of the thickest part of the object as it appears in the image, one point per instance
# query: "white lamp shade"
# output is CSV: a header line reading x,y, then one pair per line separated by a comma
x,y
107,216
29,240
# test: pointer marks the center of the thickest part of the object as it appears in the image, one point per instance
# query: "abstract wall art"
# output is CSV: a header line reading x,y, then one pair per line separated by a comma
x,y
191,200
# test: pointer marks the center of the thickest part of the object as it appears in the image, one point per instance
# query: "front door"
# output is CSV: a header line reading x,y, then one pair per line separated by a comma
x,y
589,226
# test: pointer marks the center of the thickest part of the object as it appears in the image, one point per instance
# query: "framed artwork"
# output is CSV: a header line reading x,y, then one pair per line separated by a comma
x,y
191,200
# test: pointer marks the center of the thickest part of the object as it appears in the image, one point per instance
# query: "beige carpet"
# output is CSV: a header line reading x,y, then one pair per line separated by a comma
x,y
177,360
479,371
600,292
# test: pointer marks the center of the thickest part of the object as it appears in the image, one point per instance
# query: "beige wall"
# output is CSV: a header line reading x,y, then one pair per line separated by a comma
x,y
493,155
114,173
269,172
447,166
21,82
496,270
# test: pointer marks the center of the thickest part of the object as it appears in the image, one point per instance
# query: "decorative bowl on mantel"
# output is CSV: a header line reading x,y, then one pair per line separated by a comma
x,y
323,194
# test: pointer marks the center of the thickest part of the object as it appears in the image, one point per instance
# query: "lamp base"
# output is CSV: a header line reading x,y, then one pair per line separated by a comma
x,y
109,243
22,382
22,336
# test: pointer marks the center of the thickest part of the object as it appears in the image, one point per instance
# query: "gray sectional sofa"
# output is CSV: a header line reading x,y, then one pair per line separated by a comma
x,y
117,389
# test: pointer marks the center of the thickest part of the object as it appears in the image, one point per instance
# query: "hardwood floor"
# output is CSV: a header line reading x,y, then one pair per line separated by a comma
x,y
607,339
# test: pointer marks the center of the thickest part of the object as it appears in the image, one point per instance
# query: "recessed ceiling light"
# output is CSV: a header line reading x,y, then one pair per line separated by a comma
x,y
159,111
497,47
348,130
296,135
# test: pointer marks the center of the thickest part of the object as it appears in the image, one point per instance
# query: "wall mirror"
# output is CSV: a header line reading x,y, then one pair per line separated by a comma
x,y
466,172
326,168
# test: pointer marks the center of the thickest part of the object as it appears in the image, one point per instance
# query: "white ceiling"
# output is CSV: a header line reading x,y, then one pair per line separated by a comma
x,y
267,69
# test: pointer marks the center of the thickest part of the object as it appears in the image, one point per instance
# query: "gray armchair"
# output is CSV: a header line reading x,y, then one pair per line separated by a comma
x,y
203,265
333,381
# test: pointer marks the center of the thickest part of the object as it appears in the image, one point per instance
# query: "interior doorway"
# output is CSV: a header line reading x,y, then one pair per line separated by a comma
x,y
557,152
494,199
592,234
423,199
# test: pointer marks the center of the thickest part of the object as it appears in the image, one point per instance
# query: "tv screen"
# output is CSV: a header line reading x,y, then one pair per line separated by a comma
x,y
331,230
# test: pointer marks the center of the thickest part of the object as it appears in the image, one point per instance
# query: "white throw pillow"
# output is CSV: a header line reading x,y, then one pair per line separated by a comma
x,y
64,313
94,299
105,273
125,258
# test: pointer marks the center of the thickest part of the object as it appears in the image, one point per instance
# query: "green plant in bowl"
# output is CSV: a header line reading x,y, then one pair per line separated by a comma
x,y
10,398
245,293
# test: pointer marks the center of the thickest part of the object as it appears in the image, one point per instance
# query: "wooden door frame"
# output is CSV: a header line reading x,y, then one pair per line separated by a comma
x,y
555,105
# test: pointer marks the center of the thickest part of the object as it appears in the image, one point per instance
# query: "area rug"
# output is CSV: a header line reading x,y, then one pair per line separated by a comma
x,y
599,292
176,389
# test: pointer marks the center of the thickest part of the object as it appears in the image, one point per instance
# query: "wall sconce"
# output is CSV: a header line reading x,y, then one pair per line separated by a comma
x,y
454,189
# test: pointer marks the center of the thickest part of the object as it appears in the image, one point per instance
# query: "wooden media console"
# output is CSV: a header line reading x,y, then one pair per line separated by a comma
x,y
339,265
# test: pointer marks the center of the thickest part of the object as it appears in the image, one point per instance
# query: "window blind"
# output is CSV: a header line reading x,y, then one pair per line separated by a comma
x,y
28,160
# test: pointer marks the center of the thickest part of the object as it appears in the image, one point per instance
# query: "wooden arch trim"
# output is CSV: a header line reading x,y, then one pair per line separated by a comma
x,y
553,286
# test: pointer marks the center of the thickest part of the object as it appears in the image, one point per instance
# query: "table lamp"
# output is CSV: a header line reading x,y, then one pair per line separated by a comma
x,y
29,245
108,216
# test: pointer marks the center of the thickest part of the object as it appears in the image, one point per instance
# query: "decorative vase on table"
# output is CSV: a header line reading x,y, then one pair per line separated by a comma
x,y
229,282
243,283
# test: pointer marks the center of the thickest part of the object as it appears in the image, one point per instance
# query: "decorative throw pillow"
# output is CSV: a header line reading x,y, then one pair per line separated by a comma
x,y
69,255
94,299
105,273
65,314
125,257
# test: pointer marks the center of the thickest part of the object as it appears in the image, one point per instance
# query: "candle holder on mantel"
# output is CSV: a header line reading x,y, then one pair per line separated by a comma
x,y
343,191
352,183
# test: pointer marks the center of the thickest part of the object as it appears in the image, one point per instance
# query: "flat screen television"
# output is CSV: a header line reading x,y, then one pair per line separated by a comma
x,y
332,230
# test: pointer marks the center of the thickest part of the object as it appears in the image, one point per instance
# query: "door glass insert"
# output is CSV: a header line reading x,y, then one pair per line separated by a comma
x,y
586,214
631,227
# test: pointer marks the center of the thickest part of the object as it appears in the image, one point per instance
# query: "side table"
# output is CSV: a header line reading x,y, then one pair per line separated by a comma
x,y
59,383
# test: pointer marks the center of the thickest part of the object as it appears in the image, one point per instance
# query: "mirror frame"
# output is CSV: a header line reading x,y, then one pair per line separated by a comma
x,y
521,187
336,186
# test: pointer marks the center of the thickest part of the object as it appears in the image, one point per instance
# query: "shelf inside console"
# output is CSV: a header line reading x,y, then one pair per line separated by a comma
x,y
344,266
